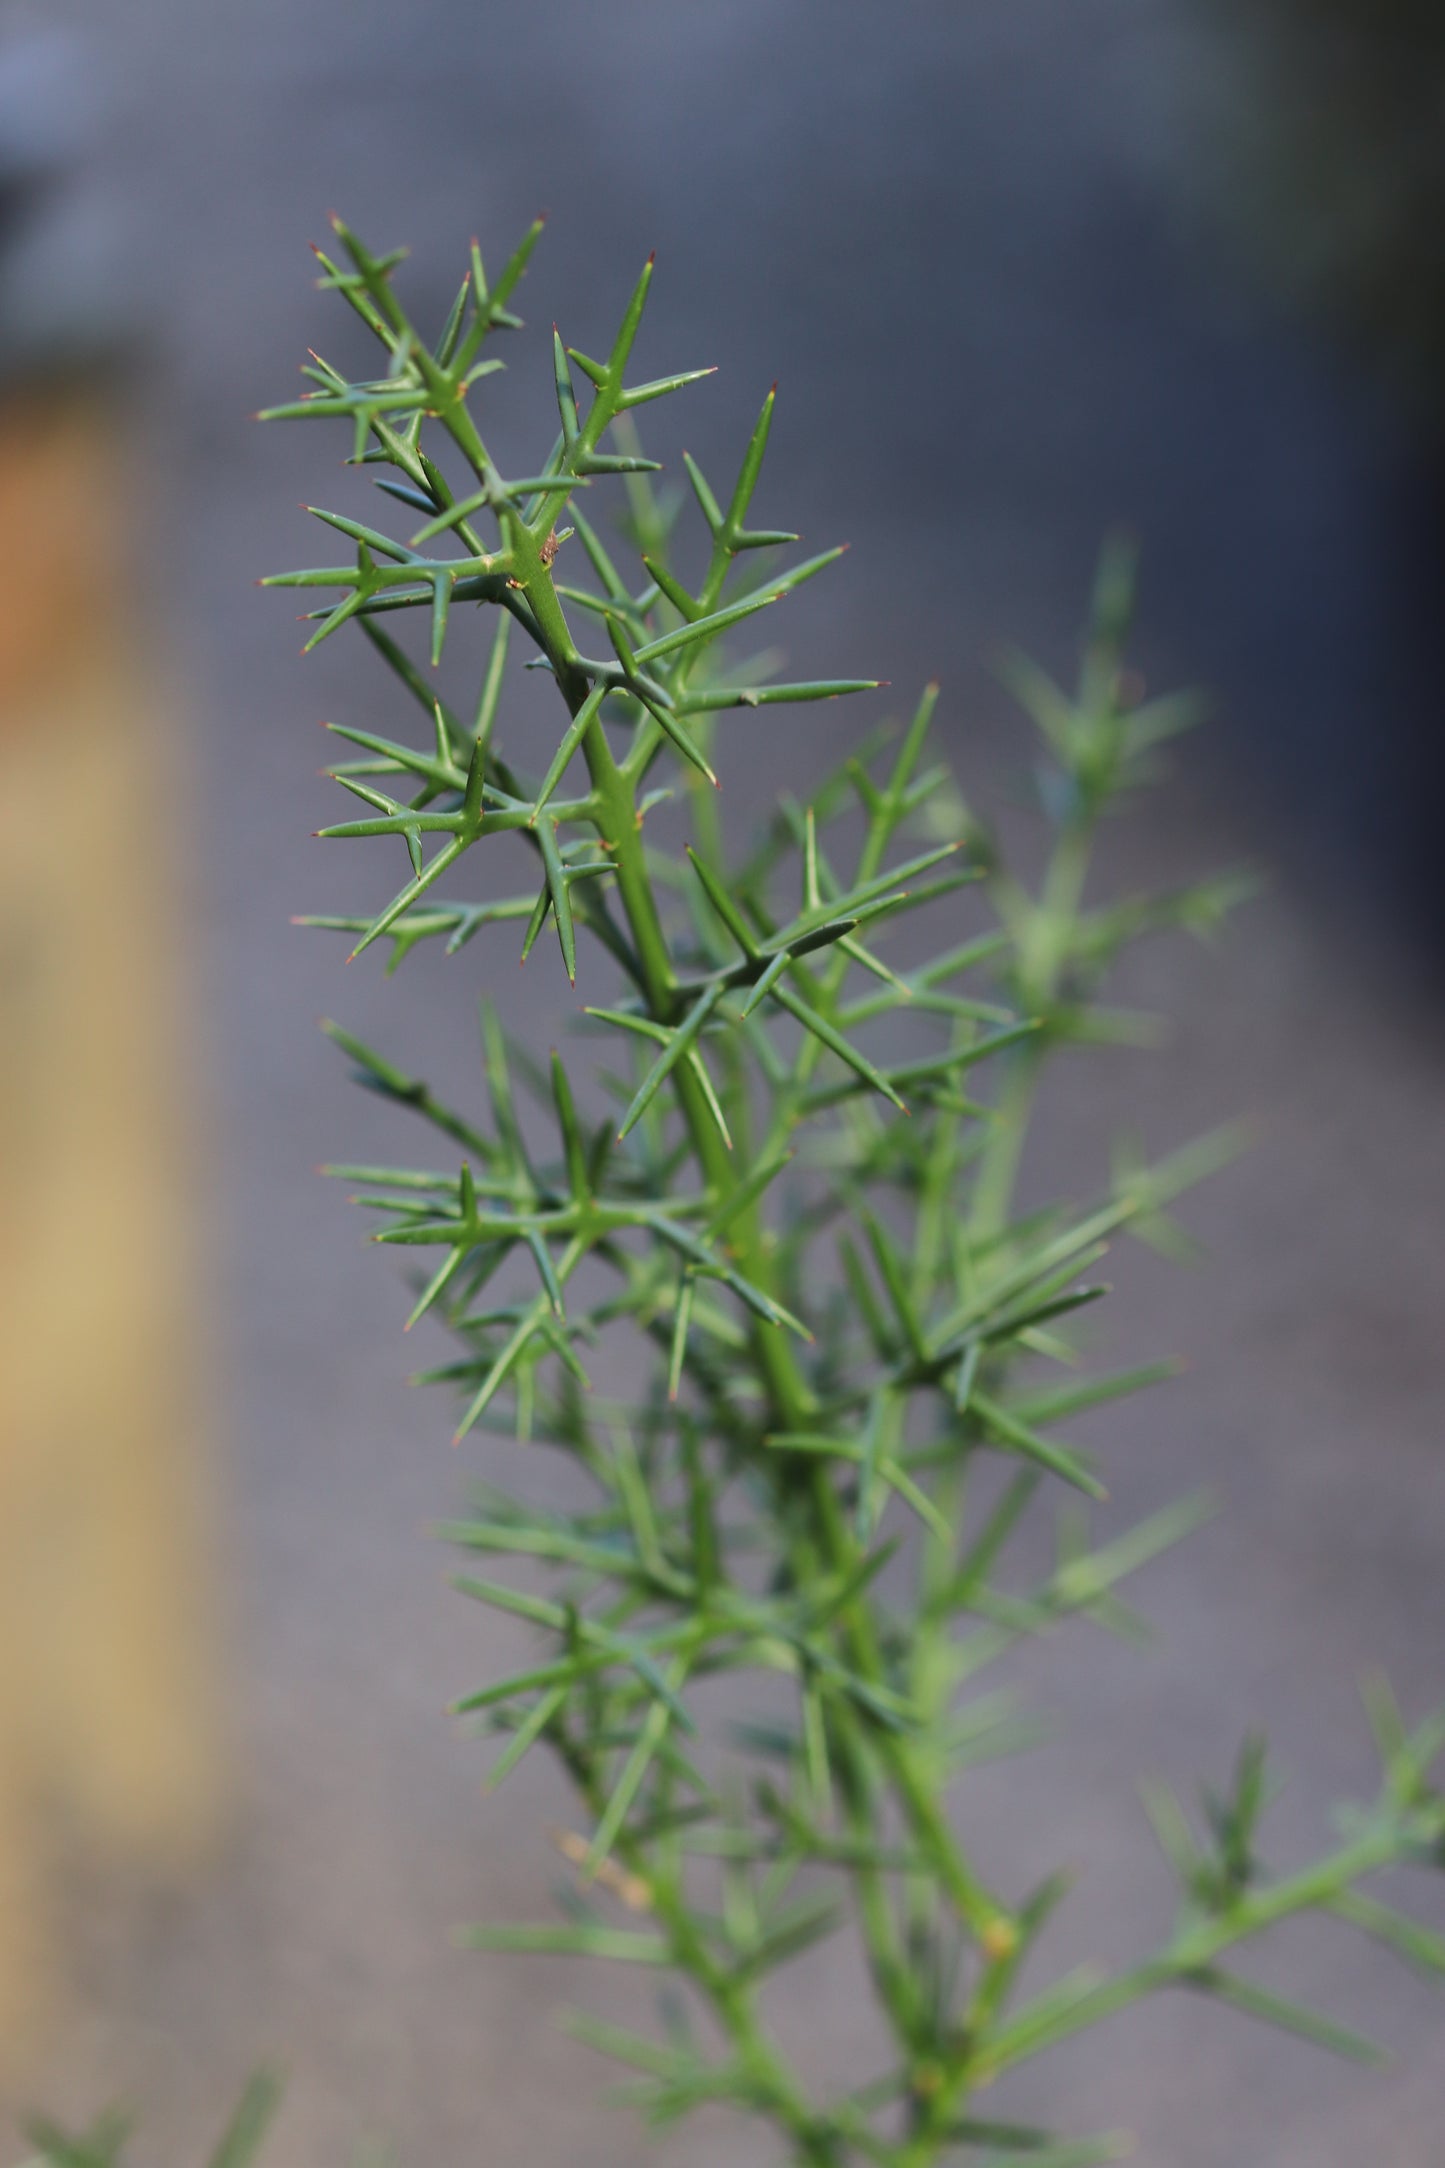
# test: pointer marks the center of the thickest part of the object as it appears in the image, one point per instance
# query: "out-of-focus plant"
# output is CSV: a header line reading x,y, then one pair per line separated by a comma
x,y
103,2145
783,1172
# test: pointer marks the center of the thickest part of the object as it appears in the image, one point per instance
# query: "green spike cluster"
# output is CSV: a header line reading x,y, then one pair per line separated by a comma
x,y
103,2145
787,1179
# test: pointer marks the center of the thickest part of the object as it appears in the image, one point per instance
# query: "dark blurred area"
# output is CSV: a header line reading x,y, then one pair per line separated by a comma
x,y
1329,156
1025,273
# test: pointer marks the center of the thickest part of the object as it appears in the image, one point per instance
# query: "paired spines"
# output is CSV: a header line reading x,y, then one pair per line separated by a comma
x,y
729,533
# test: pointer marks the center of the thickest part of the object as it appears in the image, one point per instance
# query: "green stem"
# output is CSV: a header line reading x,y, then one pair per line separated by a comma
x,y
1044,945
824,1543
732,2000
1196,1947
828,1543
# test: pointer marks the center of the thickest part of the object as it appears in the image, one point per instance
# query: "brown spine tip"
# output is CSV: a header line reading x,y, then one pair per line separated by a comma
x,y
933,687
651,258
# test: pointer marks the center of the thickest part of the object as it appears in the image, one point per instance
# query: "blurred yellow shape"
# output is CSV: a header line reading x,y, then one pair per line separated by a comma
x,y
107,1733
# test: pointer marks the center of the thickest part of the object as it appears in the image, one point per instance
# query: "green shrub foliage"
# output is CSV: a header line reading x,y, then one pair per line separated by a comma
x,y
779,1177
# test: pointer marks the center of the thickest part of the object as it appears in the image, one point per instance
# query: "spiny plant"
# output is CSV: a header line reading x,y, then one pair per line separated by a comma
x,y
788,1190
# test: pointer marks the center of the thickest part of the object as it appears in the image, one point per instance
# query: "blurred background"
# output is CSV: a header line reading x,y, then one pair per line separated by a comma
x,y
1025,272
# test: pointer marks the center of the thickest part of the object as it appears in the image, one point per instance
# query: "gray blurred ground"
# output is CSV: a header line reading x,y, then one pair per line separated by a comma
x,y
968,242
